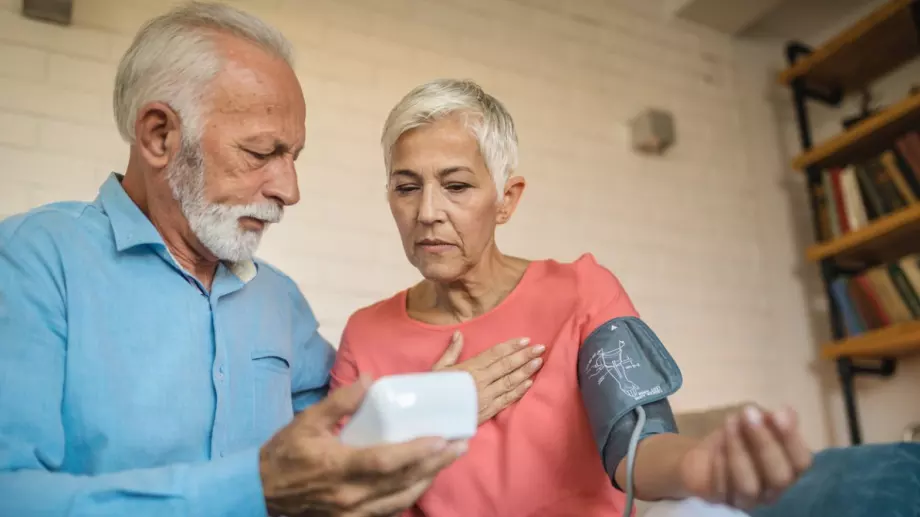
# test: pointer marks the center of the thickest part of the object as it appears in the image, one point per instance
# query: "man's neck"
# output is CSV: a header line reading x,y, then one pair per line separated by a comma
x,y
164,213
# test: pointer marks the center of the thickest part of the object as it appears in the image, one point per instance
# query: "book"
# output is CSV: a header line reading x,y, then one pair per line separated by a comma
x,y
852,321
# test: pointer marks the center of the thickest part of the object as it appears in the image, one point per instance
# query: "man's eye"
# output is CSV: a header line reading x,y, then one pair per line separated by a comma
x,y
258,156
457,187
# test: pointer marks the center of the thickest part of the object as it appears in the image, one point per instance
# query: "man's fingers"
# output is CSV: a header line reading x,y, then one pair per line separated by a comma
x,y
743,484
775,469
396,503
505,366
396,482
387,460
450,356
340,403
786,423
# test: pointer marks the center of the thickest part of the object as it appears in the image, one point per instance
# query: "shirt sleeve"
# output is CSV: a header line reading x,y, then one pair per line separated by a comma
x,y
313,356
602,295
33,347
345,369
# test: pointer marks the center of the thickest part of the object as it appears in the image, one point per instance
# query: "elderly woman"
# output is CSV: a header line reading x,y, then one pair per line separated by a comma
x,y
450,150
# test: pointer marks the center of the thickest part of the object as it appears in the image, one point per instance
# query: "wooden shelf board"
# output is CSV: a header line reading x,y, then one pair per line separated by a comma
x,y
884,240
865,140
869,49
898,340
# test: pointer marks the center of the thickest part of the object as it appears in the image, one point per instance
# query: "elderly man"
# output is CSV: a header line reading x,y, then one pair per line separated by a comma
x,y
148,364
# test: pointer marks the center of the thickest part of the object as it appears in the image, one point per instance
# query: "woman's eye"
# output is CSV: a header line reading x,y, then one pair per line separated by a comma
x,y
405,188
457,187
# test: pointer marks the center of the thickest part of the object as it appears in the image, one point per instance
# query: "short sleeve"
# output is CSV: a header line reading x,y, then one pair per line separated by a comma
x,y
601,294
345,368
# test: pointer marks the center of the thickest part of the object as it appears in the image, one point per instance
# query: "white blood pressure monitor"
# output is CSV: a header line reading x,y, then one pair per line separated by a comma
x,y
400,408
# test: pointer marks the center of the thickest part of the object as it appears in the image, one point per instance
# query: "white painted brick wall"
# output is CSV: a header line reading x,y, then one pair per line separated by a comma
x,y
703,238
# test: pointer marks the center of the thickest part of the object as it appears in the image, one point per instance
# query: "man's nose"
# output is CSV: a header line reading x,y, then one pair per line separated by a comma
x,y
431,209
283,183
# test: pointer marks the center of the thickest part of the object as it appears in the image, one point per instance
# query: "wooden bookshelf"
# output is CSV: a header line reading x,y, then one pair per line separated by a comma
x,y
897,340
884,240
871,48
867,139
849,63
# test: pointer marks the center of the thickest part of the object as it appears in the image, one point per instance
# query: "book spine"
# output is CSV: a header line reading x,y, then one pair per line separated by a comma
x,y
856,207
851,320
831,202
874,203
902,284
897,177
839,201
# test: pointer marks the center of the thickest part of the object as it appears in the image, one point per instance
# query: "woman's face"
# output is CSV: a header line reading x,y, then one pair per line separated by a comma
x,y
444,200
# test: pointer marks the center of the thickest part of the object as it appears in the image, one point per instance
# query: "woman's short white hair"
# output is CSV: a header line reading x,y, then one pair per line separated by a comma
x,y
490,122
173,60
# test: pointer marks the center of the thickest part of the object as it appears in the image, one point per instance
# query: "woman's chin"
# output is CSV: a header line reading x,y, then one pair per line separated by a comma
x,y
440,272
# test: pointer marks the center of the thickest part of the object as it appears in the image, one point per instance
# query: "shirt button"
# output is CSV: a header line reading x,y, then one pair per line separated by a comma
x,y
221,454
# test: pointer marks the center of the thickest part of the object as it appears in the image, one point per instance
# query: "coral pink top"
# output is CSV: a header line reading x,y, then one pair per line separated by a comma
x,y
537,457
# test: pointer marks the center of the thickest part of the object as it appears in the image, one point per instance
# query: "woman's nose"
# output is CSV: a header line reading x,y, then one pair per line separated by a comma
x,y
431,209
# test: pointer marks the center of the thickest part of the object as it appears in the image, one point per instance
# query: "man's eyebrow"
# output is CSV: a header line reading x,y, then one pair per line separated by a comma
x,y
278,146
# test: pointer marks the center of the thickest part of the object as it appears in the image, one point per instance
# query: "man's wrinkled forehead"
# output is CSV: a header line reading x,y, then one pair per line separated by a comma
x,y
254,81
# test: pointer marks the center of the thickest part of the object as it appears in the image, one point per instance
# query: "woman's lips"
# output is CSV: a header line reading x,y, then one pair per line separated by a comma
x,y
434,246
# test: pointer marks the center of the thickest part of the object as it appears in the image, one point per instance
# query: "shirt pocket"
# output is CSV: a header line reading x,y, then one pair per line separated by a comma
x,y
272,407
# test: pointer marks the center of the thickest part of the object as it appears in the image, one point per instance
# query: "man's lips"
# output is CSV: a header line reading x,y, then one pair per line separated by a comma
x,y
252,223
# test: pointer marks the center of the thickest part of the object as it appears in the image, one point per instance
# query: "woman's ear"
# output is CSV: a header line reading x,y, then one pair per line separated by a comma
x,y
514,188
157,133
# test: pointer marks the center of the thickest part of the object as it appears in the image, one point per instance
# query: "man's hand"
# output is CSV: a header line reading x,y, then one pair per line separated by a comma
x,y
502,373
307,471
750,461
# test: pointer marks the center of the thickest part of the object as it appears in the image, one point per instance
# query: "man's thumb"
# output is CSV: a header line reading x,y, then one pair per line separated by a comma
x,y
450,356
341,402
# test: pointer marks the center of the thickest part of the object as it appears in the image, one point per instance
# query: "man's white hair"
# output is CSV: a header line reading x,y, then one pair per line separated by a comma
x,y
173,59
489,121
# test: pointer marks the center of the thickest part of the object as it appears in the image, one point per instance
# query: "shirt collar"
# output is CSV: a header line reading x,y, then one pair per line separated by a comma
x,y
132,228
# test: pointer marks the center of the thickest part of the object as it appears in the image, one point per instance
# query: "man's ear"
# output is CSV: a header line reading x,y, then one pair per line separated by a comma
x,y
157,133
514,188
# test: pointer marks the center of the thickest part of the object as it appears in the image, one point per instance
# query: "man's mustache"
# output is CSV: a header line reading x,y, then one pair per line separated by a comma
x,y
268,212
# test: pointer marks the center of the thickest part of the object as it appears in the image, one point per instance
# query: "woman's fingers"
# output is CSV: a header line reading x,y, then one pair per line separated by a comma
x,y
502,373
774,467
785,421
509,371
452,354
742,480
719,467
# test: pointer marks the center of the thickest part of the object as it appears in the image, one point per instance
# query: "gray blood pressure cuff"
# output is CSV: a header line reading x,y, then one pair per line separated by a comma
x,y
622,365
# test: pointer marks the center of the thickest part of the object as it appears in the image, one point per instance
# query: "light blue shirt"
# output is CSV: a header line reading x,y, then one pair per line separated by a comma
x,y
126,388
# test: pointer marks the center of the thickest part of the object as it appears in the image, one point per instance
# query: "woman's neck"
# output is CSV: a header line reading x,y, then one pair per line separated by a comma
x,y
477,292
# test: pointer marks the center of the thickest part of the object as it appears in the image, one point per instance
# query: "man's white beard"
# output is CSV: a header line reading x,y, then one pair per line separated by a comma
x,y
216,225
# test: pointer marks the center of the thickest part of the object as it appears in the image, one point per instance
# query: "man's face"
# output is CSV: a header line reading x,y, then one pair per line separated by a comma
x,y
443,198
236,179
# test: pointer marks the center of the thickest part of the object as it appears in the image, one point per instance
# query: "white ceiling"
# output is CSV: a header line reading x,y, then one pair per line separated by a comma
x,y
808,20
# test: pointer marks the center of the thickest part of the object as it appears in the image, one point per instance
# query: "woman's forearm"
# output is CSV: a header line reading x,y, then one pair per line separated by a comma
x,y
657,473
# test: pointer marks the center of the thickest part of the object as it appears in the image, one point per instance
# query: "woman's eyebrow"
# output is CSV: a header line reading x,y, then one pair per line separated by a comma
x,y
456,168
